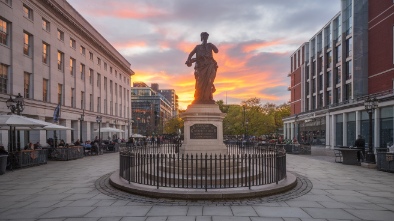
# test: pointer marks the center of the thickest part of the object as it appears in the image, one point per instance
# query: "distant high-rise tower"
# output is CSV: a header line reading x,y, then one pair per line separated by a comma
x,y
155,87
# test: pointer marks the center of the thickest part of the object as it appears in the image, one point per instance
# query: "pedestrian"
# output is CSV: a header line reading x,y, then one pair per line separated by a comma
x,y
360,144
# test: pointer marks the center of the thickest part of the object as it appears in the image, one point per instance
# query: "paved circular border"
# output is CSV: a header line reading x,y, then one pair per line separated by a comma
x,y
304,185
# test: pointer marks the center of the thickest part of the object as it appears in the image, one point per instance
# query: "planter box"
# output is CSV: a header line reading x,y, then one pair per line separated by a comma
x,y
385,160
28,158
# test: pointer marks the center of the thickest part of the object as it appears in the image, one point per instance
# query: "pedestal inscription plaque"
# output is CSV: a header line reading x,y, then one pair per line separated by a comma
x,y
203,131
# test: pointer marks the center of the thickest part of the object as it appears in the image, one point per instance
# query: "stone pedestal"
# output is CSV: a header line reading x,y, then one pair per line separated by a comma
x,y
203,130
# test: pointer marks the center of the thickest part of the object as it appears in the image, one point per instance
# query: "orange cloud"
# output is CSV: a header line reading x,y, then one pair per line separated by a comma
x,y
253,46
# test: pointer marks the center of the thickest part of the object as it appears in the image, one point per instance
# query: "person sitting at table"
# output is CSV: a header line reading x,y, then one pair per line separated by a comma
x,y
77,143
62,143
360,144
3,151
37,146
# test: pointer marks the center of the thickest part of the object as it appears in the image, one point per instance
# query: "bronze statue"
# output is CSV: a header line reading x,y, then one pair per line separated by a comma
x,y
204,70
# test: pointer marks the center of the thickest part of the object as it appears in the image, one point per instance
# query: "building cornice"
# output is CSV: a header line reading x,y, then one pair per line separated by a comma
x,y
101,44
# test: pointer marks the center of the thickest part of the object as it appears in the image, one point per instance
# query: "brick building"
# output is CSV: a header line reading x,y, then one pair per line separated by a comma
x,y
347,61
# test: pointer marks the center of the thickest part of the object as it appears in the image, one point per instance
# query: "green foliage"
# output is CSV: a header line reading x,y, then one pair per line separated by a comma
x,y
172,125
253,118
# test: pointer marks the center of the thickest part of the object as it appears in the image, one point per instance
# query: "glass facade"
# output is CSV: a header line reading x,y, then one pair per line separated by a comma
x,y
339,130
386,127
351,128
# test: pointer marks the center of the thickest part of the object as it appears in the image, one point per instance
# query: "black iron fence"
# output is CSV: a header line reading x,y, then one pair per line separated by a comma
x,y
27,158
67,153
203,171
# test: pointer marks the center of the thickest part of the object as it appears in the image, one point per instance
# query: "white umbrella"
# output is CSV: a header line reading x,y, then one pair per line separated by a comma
x,y
137,136
108,129
51,126
19,121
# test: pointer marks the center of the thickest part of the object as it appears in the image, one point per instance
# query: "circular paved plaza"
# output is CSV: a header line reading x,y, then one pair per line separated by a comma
x,y
79,190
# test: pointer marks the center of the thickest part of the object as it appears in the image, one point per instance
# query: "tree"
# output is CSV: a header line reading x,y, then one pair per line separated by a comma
x,y
173,125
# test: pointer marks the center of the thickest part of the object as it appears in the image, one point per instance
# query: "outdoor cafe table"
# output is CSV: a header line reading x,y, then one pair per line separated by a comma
x,y
349,155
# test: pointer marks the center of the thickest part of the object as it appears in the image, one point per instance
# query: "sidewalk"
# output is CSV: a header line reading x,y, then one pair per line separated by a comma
x,y
68,190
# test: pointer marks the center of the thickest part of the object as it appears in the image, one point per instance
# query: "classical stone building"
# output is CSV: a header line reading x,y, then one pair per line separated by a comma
x,y
50,54
349,60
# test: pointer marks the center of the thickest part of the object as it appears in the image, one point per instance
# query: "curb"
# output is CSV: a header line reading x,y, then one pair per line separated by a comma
x,y
200,194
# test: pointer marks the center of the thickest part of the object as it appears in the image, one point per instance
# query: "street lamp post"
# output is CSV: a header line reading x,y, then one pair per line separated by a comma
x,y
243,106
297,128
98,120
370,105
16,106
130,127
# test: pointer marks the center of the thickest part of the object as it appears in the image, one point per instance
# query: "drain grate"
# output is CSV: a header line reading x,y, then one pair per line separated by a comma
x,y
304,185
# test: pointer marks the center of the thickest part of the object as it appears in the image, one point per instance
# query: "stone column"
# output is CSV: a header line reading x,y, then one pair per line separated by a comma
x,y
344,123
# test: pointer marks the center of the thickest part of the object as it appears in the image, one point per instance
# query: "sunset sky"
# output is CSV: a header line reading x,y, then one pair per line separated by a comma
x,y
255,39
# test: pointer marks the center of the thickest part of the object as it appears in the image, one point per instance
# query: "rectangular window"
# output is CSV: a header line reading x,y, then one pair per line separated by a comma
x,y
90,75
327,32
8,2
72,43
26,85
348,16
98,105
60,35
91,56
110,68
98,61
45,25
72,66
105,106
320,78
313,69
337,29
329,75
45,90
98,80
3,78
337,95
91,102
45,53
105,83
111,110
60,61
82,50
27,12
3,32
28,40
329,98
348,92
349,70
59,94
72,97
329,59
82,71
105,66
320,100
349,47
319,65
338,54
313,86
338,75
82,100
116,74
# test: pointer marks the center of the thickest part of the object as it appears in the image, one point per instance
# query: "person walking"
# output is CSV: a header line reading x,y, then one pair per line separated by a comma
x,y
360,144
